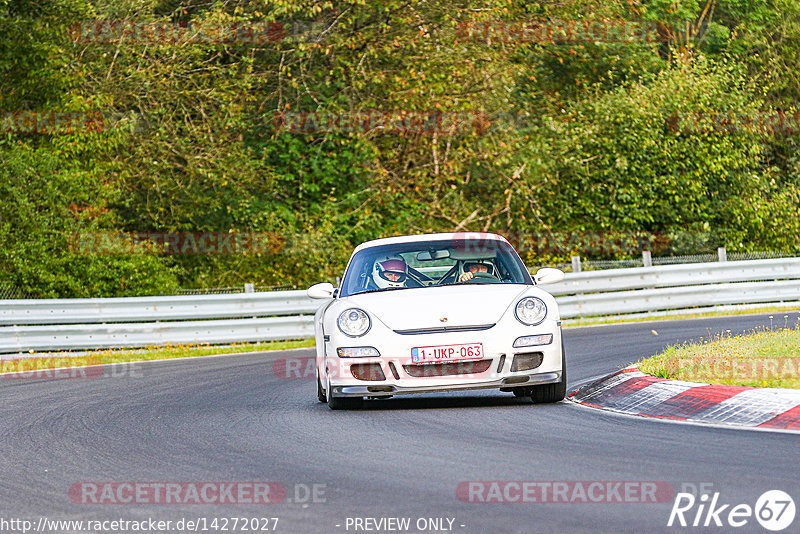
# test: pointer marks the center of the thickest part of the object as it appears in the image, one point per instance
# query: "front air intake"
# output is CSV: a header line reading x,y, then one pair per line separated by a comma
x,y
371,372
526,361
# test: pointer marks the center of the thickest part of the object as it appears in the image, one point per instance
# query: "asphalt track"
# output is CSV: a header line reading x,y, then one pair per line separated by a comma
x,y
231,419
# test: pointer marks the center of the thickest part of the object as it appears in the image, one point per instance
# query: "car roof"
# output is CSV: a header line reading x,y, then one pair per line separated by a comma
x,y
455,236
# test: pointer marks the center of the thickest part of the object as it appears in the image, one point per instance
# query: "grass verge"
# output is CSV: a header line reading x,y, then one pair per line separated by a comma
x,y
763,358
99,357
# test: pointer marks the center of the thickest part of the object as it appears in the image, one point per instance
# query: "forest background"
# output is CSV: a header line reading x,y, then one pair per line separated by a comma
x,y
313,126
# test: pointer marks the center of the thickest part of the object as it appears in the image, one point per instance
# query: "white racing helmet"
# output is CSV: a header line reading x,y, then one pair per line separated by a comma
x,y
390,271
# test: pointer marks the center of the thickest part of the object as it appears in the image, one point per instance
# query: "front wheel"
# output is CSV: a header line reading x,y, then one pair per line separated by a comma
x,y
320,391
552,392
342,403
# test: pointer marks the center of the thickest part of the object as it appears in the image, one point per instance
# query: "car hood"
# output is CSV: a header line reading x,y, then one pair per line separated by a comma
x,y
423,308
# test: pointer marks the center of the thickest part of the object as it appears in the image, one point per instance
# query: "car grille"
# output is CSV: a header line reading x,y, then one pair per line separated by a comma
x,y
441,329
447,369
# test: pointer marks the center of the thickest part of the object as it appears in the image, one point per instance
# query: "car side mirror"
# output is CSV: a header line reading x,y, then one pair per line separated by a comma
x,y
548,275
323,290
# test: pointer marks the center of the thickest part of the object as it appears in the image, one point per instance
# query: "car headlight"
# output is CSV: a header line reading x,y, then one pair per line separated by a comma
x,y
531,311
354,322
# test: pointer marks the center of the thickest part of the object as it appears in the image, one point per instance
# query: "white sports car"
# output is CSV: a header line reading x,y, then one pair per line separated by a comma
x,y
438,312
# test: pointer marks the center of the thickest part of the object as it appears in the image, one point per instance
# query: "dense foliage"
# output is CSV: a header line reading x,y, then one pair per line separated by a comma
x,y
534,137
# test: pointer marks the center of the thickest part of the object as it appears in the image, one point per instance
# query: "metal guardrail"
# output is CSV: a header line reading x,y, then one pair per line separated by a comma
x,y
49,325
134,309
675,275
98,336
676,298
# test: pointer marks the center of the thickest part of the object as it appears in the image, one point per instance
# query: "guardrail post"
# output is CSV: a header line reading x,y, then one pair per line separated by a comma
x,y
249,288
576,264
722,254
647,258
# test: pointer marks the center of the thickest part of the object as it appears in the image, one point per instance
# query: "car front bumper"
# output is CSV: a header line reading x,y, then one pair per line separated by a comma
x,y
401,376
390,390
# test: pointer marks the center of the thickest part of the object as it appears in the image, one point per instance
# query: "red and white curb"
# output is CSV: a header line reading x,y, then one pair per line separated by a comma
x,y
630,391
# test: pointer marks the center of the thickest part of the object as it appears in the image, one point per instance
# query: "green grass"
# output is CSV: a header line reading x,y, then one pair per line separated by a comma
x,y
762,358
65,359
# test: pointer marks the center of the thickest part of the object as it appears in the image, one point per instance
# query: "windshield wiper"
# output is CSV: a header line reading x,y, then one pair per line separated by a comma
x,y
377,290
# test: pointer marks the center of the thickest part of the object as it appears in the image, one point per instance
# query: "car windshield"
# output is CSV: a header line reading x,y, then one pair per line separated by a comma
x,y
433,263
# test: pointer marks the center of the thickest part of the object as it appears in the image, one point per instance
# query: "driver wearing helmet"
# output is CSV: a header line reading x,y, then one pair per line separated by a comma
x,y
390,272
476,266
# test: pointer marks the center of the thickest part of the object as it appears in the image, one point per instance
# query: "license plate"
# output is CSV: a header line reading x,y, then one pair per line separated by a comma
x,y
447,353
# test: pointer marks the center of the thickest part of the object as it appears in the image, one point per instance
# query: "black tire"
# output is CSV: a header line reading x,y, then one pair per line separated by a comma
x,y
547,393
344,403
320,391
